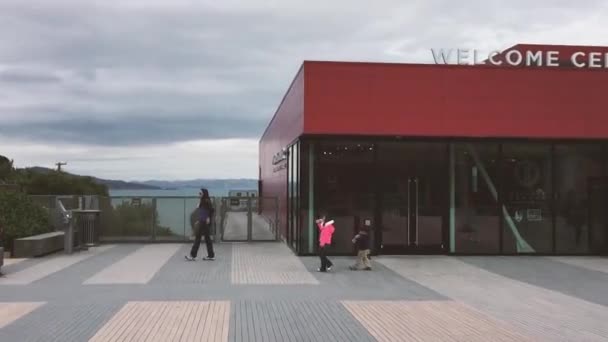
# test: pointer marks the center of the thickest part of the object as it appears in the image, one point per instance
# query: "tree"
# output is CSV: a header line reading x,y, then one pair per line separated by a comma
x,y
6,168
59,183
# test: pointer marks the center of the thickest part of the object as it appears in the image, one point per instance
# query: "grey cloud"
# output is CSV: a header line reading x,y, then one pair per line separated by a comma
x,y
156,74
139,131
26,76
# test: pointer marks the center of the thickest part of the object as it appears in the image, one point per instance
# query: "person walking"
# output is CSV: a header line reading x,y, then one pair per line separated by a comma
x,y
326,230
203,227
361,241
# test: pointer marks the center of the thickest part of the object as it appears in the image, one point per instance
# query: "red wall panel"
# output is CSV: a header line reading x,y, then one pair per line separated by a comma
x,y
455,101
285,127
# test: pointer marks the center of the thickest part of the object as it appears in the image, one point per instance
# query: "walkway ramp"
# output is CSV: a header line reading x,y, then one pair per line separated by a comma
x,y
238,228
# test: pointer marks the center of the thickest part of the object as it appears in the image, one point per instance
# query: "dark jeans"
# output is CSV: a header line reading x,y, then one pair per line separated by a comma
x,y
203,230
325,262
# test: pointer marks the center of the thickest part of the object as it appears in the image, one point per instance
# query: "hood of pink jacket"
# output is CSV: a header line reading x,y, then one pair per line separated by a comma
x,y
326,230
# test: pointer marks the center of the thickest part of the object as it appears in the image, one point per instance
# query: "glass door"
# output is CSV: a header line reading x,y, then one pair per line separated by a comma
x,y
413,193
598,216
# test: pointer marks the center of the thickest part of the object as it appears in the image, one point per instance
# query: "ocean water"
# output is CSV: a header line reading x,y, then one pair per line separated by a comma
x,y
185,192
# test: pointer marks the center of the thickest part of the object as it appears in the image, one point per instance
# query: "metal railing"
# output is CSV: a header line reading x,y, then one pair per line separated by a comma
x,y
151,218
95,219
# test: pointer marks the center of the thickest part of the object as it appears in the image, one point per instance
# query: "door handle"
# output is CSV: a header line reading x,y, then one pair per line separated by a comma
x,y
416,201
409,211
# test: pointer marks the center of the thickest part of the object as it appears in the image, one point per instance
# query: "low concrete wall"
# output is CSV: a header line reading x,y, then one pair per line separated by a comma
x,y
38,245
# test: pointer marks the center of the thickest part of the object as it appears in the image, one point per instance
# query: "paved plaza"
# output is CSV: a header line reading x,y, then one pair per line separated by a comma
x,y
262,292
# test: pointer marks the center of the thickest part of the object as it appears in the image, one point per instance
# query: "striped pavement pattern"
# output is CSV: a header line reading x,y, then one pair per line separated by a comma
x,y
395,321
538,312
268,263
10,312
168,321
138,267
49,266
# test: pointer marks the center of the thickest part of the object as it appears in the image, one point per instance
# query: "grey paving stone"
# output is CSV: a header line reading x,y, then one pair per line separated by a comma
x,y
534,311
550,274
294,320
380,283
61,322
179,271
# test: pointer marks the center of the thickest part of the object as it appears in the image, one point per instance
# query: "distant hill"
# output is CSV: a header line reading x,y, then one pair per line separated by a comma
x,y
225,184
111,184
218,185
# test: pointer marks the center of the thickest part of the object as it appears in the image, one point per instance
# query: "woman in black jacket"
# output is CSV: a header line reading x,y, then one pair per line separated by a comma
x,y
205,215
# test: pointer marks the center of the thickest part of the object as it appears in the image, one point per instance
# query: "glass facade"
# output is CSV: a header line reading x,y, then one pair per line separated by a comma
x,y
475,218
463,197
527,192
293,196
579,193
344,187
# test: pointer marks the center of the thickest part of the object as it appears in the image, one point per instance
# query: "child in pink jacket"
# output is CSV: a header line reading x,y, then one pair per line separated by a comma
x,y
326,230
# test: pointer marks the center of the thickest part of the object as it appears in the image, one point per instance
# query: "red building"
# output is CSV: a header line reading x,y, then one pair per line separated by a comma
x,y
443,158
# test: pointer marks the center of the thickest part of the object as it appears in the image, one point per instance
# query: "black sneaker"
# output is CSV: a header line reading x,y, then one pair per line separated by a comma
x,y
368,269
189,258
320,270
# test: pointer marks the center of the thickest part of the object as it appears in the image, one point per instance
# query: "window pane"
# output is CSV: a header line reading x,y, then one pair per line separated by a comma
x,y
294,207
344,187
476,214
577,167
297,211
528,223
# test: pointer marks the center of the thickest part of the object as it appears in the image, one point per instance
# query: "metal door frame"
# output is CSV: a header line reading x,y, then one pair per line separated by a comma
x,y
225,204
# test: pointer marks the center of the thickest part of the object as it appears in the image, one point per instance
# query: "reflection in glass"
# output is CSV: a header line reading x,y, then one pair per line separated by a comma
x,y
344,187
476,215
306,198
598,215
578,168
527,177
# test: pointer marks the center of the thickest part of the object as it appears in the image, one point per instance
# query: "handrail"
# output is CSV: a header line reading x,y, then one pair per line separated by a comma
x,y
66,214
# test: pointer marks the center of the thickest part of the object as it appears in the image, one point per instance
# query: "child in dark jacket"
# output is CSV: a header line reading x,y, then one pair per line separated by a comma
x,y
361,240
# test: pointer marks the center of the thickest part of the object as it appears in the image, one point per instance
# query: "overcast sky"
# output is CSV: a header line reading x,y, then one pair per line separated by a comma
x,y
177,89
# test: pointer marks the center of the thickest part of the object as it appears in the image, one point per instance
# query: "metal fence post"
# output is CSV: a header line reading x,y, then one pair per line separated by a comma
x,y
222,216
153,219
69,233
249,220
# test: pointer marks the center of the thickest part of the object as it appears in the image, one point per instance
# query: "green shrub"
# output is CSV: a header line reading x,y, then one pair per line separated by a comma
x,y
21,217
